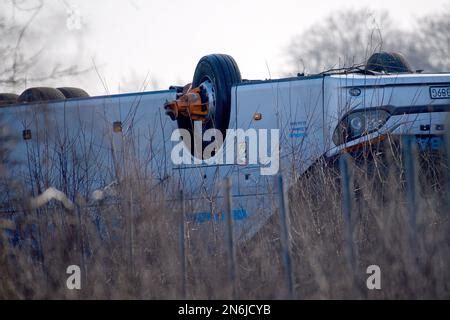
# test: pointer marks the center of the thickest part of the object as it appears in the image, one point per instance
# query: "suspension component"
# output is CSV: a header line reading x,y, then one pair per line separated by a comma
x,y
189,104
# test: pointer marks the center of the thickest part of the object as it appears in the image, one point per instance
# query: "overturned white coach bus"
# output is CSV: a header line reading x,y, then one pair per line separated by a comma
x,y
65,139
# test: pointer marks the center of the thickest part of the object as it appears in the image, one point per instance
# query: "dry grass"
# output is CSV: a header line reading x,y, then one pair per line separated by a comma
x,y
134,252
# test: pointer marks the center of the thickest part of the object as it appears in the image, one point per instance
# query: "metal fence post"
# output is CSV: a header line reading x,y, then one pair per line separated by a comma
x,y
131,231
285,236
410,173
182,245
230,236
447,155
346,210
82,243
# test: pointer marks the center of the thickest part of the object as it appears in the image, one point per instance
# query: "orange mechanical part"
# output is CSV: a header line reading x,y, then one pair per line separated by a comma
x,y
189,104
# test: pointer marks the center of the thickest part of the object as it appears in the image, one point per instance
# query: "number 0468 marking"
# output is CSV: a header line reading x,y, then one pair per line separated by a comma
x,y
440,92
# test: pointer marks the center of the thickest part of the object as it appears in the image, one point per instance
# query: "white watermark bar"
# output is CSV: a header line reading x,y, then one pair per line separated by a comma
x,y
251,146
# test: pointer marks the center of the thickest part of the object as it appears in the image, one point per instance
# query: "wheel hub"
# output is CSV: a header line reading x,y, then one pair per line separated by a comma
x,y
198,103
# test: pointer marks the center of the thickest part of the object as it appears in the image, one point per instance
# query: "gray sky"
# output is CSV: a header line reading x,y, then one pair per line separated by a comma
x,y
129,39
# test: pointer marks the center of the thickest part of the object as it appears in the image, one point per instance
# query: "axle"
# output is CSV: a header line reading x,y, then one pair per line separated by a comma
x,y
188,104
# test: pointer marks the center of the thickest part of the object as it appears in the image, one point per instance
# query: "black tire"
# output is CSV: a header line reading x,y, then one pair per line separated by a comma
x,y
40,94
70,92
223,72
389,62
7,99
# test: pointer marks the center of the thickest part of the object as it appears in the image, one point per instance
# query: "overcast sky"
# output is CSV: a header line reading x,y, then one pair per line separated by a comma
x,y
130,38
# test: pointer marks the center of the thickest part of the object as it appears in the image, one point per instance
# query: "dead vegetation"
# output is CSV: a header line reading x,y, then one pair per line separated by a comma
x,y
127,243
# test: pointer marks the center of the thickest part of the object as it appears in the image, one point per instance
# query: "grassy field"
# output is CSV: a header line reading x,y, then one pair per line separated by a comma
x,y
128,246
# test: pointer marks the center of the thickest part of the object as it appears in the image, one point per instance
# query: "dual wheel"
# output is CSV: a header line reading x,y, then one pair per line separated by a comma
x,y
39,94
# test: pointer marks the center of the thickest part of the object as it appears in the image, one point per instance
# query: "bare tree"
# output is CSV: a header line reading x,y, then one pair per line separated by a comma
x,y
348,38
23,46
433,43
